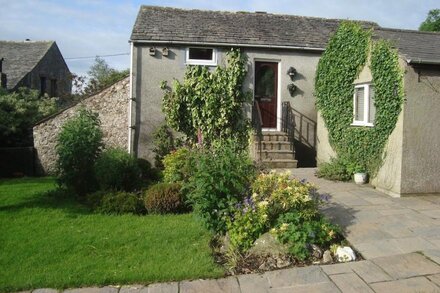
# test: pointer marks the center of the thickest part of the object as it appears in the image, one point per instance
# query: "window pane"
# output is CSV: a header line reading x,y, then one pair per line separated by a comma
x,y
265,82
359,98
200,53
372,113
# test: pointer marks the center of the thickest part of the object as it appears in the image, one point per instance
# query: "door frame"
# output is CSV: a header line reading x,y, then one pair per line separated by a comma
x,y
278,118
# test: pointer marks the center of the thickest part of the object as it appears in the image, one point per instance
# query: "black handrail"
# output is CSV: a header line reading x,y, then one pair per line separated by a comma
x,y
257,124
288,122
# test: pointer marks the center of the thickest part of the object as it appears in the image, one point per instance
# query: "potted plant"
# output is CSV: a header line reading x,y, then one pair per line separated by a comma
x,y
360,174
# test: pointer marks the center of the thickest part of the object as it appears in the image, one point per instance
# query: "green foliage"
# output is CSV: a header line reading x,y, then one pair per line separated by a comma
x,y
148,174
163,142
118,170
341,63
19,111
220,180
164,198
79,145
178,166
120,202
300,232
283,194
432,22
247,223
336,169
210,101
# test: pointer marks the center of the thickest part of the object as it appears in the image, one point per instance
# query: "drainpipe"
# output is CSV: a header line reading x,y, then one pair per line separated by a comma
x,y
3,78
130,101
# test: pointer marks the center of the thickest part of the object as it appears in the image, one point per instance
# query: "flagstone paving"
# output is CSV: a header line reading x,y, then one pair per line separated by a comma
x,y
398,237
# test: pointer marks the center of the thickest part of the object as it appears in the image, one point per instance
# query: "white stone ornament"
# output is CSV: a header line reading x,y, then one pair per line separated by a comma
x,y
345,254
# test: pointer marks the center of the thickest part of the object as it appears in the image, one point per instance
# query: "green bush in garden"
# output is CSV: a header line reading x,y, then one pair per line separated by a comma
x,y
118,170
121,202
220,180
178,166
79,145
163,198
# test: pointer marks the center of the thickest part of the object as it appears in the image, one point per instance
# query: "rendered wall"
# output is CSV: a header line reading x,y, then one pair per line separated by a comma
x,y
421,132
149,71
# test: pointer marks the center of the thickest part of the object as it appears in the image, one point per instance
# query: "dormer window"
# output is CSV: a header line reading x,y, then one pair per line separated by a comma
x,y
364,110
201,56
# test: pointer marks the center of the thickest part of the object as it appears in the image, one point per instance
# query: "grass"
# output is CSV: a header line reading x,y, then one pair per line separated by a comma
x,y
48,241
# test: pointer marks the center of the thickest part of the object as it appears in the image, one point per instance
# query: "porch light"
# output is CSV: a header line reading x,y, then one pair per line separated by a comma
x,y
291,72
291,88
165,52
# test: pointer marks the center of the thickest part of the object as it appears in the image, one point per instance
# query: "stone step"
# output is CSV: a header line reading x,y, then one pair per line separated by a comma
x,y
280,164
275,145
275,136
277,155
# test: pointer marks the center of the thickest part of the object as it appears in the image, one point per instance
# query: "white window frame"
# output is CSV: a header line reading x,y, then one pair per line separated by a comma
x,y
365,121
212,62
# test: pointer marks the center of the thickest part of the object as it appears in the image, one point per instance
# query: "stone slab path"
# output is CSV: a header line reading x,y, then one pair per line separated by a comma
x,y
398,237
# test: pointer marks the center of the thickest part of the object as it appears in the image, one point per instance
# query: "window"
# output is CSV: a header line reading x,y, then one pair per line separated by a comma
x,y
53,88
201,56
364,109
42,85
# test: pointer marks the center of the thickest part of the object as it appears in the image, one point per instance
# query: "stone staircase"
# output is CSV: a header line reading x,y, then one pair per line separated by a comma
x,y
277,152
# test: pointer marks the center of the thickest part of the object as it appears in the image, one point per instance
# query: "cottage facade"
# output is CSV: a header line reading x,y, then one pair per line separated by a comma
x,y
37,65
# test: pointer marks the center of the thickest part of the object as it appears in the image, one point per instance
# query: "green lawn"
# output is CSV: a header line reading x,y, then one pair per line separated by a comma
x,y
54,242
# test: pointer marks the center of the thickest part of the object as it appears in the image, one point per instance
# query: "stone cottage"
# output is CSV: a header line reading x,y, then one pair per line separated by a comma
x,y
34,64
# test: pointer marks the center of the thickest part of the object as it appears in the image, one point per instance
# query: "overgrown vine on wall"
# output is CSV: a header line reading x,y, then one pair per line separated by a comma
x,y
345,56
210,101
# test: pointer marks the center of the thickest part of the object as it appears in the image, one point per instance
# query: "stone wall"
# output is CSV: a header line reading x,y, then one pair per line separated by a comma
x,y
112,106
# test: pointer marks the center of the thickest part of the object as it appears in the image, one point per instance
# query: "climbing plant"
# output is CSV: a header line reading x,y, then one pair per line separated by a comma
x,y
346,55
210,102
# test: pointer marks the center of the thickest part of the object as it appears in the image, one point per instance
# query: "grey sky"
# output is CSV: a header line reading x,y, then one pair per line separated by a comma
x,y
99,27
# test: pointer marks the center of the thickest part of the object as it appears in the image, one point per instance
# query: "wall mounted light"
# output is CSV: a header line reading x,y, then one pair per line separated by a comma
x,y
165,52
291,72
291,88
152,51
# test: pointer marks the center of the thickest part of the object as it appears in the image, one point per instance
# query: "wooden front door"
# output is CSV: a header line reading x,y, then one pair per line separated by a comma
x,y
266,87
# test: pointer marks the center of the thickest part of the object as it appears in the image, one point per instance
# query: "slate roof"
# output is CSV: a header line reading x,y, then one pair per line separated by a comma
x,y
21,58
415,46
172,25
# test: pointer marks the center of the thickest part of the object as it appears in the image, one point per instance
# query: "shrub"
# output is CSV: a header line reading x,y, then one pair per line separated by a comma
x,y
79,144
163,144
247,223
220,180
164,198
93,200
116,169
178,166
283,194
120,202
148,174
337,169
300,233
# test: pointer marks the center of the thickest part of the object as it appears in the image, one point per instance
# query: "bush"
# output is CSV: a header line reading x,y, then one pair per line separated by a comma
x,y
283,194
93,200
337,169
178,166
148,174
221,179
118,170
300,233
163,198
78,147
163,144
120,202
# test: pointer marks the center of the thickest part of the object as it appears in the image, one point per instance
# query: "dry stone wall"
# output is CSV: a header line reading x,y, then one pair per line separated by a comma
x,y
112,106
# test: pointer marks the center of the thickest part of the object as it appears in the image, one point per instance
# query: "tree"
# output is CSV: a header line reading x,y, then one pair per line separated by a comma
x,y
19,111
432,22
102,75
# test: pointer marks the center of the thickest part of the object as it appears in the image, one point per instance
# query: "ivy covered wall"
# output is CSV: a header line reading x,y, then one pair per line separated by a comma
x,y
348,52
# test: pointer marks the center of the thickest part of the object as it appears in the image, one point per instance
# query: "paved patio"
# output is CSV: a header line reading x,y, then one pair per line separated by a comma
x,y
398,237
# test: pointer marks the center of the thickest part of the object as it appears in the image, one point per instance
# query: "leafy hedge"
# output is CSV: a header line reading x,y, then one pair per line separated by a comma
x,y
345,56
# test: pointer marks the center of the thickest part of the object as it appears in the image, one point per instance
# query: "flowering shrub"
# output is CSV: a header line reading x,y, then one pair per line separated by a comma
x,y
177,166
247,223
